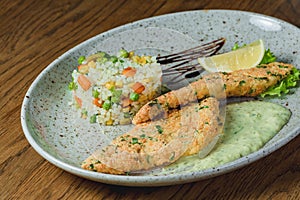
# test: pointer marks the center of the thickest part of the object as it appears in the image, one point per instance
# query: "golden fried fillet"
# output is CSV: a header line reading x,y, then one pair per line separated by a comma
x,y
162,142
247,82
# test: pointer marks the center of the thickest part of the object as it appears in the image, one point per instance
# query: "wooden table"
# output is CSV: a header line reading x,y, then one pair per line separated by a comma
x,y
34,33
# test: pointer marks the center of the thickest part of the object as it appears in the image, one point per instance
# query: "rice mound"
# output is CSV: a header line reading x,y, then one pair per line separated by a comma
x,y
109,90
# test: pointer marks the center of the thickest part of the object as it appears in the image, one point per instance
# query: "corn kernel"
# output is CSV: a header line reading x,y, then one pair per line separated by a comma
x,y
142,60
109,84
135,59
147,80
109,122
119,84
148,59
131,53
142,98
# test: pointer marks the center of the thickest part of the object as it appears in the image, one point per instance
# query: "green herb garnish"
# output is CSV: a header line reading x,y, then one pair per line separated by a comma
x,y
202,107
72,86
242,82
134,141
268,57
81,59
159,129
172,156
282,87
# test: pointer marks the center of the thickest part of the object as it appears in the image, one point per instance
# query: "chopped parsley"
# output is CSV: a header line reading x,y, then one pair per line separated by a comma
x,y
261,78
159,129
251,91
91,166
242,82
202,107
134,141
143,136
172,156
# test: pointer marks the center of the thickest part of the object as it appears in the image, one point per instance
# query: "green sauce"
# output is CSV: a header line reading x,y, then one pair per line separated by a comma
x,y
248,127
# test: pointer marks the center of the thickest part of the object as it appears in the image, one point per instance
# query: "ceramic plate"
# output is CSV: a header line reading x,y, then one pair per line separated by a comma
x,y
60,136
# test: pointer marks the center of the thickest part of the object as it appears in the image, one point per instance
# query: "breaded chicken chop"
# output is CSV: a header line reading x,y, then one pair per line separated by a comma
x,y
162,142
247,82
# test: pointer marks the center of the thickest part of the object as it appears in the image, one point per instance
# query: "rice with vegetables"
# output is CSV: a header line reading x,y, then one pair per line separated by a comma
x,y
109,90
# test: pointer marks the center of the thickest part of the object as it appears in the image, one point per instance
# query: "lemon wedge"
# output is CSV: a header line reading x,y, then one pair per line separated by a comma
x,y
243,58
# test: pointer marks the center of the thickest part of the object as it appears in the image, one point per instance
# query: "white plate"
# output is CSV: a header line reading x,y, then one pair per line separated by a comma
x,y
57,134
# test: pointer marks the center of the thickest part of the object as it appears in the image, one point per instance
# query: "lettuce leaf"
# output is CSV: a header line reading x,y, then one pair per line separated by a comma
x,y
283,86
268,57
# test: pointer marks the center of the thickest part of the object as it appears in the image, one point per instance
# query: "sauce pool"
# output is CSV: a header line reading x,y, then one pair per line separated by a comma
x,y
248,127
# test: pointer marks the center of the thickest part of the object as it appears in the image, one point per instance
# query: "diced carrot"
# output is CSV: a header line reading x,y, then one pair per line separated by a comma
x,y
138,87
78,100
126,102
83,68
84,82
129,72
97,102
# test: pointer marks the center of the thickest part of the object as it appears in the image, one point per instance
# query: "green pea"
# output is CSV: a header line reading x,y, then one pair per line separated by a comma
x,y
72,86
95,93
93,119
134,96
114,59
81,59
106,105
124,53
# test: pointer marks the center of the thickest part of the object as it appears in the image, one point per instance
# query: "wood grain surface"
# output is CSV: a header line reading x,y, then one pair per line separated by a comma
x,y
34,33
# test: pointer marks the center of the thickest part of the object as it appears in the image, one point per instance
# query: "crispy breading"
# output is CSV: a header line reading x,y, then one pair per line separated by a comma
x,y
246,82
162,142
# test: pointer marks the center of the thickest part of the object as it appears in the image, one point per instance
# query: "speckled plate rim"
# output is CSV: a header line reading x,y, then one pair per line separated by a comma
x,y
149,180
